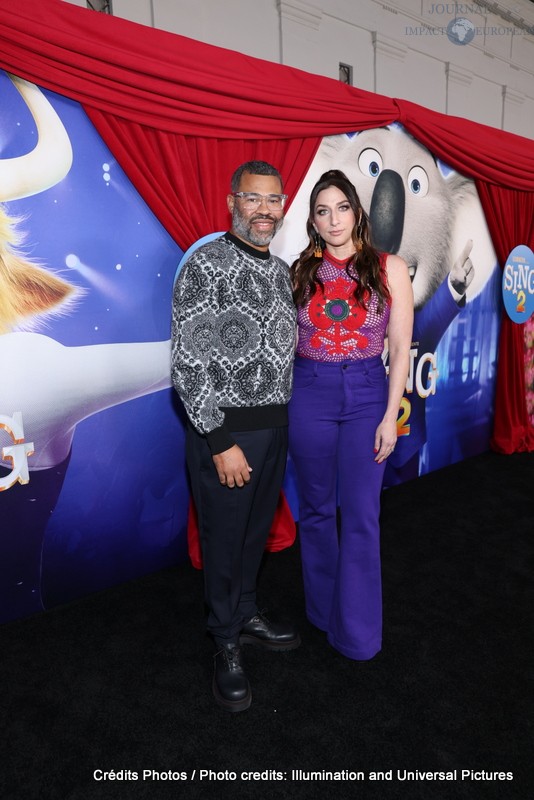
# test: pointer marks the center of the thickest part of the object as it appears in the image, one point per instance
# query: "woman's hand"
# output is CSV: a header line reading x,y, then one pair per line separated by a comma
x,y
385,439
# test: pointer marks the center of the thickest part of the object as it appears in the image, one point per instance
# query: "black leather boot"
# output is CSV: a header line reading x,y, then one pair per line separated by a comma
x,y
271,635
231,688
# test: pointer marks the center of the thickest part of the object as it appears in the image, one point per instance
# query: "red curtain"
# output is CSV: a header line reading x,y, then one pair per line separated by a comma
x,y
172,83
185,179
177,85
487,154
510,218
179,115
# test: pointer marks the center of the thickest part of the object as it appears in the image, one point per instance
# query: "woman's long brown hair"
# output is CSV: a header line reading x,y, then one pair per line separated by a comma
x,y
363,267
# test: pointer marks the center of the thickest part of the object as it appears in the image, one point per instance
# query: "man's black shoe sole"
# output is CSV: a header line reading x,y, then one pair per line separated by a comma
x,y
282,647
231,705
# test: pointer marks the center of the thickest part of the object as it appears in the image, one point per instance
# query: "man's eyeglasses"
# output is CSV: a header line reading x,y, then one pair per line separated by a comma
x,y
251,200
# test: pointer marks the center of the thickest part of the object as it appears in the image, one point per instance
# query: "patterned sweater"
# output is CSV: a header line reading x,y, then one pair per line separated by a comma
x,y
233,339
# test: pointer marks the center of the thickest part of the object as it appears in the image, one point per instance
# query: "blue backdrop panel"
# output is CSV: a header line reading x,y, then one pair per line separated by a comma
x,y
107,497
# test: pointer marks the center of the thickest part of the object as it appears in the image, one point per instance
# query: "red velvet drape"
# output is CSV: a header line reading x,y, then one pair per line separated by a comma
x,y
479,151
185,179
510,218
179,115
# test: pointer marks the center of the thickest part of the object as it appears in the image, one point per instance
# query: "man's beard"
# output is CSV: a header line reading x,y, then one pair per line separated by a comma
x,y
243,228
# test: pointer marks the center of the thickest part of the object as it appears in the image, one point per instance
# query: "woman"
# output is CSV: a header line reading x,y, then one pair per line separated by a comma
x,y
343,413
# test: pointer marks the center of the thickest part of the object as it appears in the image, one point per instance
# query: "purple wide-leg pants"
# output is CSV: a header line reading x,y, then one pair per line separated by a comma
x,y
333,416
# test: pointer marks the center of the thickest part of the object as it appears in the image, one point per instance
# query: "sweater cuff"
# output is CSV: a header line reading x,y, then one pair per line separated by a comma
x,y
219,440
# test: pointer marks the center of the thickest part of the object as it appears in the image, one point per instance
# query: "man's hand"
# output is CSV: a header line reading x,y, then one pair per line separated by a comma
x,y
232,467
462,272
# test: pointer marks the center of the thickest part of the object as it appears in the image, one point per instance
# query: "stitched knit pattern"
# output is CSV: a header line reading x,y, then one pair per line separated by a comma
x,y
233,331
332,326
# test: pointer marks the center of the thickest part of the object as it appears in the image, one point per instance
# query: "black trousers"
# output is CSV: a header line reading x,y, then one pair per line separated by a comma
x,y
234,524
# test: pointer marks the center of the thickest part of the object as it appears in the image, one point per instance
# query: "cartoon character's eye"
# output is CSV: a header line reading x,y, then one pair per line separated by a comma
x,y
370,162
418,181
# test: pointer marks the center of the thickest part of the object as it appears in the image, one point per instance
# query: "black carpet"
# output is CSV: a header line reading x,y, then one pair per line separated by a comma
x,y
120,681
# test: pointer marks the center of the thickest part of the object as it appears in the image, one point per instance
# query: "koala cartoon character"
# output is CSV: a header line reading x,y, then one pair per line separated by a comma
x,y
411,205
429,215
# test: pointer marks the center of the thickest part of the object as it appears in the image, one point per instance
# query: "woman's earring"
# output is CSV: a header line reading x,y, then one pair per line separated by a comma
x,y
359,240
318,252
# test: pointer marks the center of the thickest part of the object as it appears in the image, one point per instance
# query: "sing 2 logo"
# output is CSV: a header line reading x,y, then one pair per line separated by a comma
x,y
17,453
416,380
518,284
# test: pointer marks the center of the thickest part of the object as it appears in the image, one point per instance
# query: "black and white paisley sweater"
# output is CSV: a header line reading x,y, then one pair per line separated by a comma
x,y
233,339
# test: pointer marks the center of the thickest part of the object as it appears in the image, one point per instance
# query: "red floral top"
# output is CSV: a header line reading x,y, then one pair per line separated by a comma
x,y
332,326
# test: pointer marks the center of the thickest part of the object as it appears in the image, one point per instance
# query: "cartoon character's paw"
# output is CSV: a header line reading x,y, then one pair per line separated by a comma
x,y
463,271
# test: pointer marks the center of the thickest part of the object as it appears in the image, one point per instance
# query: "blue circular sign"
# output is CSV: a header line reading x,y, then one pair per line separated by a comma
x,y
518,284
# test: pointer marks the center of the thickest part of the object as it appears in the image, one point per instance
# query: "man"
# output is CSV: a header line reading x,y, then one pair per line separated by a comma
x,y
232,354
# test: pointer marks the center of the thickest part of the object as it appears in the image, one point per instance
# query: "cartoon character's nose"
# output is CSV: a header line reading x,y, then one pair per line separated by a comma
x,y
387,212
